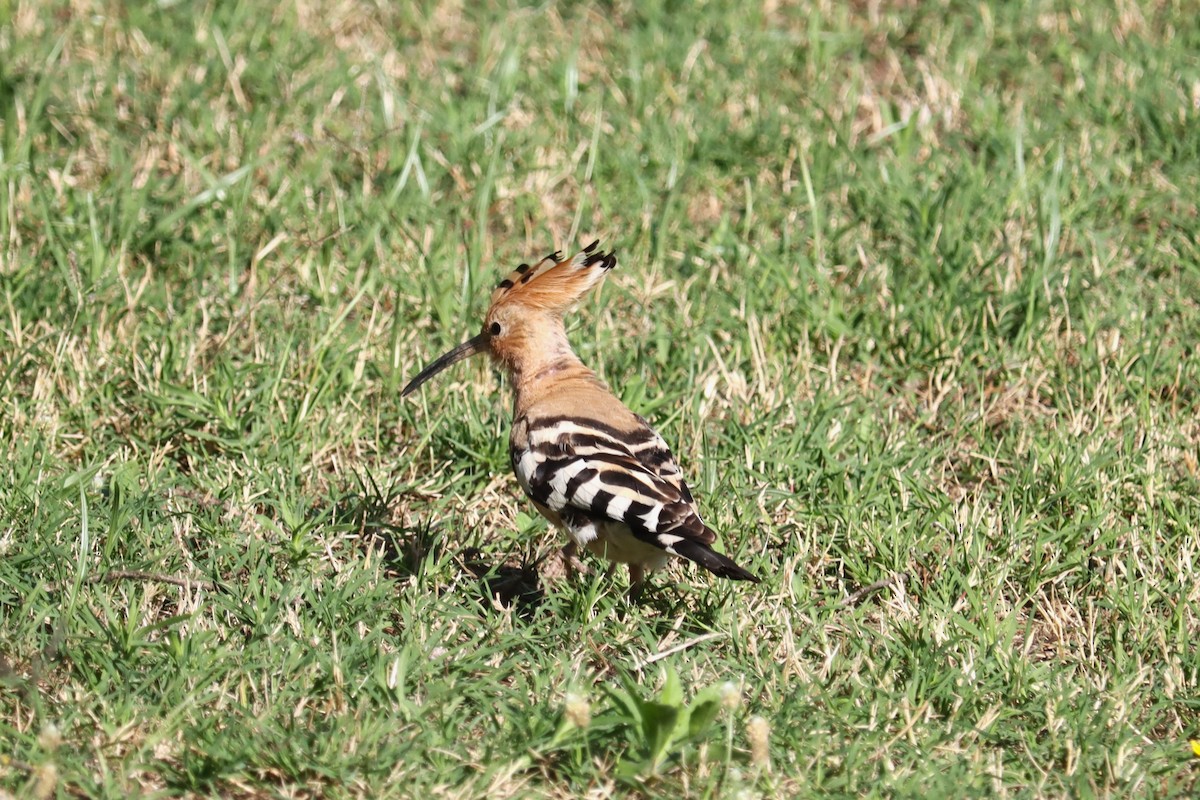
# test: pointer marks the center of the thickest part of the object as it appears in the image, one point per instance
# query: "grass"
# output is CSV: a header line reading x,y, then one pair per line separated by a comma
x,y
911,289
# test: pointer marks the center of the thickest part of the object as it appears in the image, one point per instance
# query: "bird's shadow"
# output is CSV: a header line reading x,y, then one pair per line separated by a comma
x,y
508,582
503,584
518,583
412,551
405,550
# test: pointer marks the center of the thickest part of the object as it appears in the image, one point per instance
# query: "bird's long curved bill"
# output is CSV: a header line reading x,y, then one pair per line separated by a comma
x,y
472,346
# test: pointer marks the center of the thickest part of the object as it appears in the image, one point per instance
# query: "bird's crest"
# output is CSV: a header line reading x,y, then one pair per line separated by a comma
x,y
554,283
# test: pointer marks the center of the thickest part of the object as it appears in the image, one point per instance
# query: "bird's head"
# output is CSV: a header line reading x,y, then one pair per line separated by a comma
x,y
524,320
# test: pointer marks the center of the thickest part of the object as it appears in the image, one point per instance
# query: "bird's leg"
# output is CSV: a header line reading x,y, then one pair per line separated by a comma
x,y
637,582
571,562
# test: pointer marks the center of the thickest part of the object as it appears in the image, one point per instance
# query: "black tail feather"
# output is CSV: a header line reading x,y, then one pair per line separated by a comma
x,y
713,561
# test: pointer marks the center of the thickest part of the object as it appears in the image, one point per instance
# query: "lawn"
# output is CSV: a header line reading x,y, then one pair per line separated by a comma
x,y
911,288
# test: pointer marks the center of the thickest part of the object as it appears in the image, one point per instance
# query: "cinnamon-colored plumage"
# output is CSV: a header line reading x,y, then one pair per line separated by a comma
x,y
591,466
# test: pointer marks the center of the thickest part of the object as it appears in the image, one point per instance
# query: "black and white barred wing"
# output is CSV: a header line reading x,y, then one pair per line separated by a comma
x,y
653,454
608,473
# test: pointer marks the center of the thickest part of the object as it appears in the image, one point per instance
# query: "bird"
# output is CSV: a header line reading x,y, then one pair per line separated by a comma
x,y
592,467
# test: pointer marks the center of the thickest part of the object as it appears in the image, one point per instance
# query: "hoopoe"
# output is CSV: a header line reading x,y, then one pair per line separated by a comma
x,y
592,467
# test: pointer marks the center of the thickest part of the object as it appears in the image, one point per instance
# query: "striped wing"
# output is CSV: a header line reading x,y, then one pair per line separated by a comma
x,y
608,473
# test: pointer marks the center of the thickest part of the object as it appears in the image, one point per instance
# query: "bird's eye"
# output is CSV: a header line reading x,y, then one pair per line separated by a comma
x,y
494,329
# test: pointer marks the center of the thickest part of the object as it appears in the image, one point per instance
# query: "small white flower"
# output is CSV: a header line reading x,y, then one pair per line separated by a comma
x,y
577,710
758,731
731,695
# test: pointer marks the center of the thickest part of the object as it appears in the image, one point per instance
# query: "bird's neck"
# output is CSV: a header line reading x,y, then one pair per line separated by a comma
x,y
548,365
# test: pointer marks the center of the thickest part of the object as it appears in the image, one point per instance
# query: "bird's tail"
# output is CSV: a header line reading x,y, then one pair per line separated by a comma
x,y
713,561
